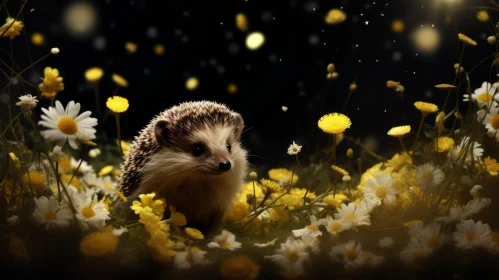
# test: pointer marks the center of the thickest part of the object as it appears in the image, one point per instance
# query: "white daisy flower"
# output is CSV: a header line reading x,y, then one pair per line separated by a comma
x,y
66,125
335,226
470,235
311,243
291,255
456,214
312,229
118,232
226,240
353,213
485,95
430,236
490,118
415,252
475,191
350,254
474,206
381,188
429,176
385,242
455,152
91,180
107,186
48,212
84,166
13,220
89,210
294,149
414,228
373,260
27,103
190,257
56,153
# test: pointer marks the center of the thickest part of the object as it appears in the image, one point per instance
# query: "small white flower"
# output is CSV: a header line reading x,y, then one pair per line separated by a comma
x,y
226,240
311,243
93,153
106,186
56,154
284,108
415,252
350,254
474,206
353,213
55,51
470,235
64,124
13,220
264,245
27,103
415,228
430,236
372,260
485,95
294,149
335,226
49,213
385,242
119,232
456,214
346,178
456,152
312,229
89,210
490,118
429,176
84,166
381,188
475,191
190,257
291,255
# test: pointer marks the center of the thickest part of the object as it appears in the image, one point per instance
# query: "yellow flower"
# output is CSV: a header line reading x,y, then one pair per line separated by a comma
x,y
14,160
278,214
300,192
162,245
156,206
177,218
466,39
491,165
270,186
106,170
36,179
445,86
37,39
277,174
94,74
242,22
194,233
425,107
52,83
11,28
117,104
237,212
152,222
335,16
239,268
482,16
98,244
119,80
444,144
159,49
336,201
399,131
398,161
339,170
334,123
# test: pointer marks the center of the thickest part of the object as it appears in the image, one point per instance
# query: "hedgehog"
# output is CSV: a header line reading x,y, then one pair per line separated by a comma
x,y
192,156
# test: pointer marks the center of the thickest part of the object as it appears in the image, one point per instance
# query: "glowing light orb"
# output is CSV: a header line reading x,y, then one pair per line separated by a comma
x,y
335,16
130,47
426,39
80,18
255,40
159,49
192,83
398,26
37,39
232,88
482,16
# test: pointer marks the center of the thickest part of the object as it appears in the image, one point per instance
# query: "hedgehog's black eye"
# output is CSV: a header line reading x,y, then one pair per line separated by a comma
x,y
198,149
229,147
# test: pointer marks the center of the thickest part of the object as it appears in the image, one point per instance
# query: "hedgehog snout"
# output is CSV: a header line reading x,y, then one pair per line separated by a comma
x,y
224,166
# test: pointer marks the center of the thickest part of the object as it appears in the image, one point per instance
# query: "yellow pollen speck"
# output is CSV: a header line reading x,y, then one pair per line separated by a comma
x,y
159,49
241,22
381,192
192,83
255,40
130,47
67,125
398,26
49,215
232,88
88,212
37,39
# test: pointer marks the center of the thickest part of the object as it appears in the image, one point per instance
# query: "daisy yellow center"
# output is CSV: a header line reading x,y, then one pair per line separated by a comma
x,y
225,244
494,121
312,227
417,255
351,255
350,217
293,256
381,192
88,212
108,186
49,215
432,241
334,227
428,175
484,97
67,125
471,236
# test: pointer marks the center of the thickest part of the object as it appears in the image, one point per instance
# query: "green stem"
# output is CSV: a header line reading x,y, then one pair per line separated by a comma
x,y
26,69
58,185
420,127
118,132
254,196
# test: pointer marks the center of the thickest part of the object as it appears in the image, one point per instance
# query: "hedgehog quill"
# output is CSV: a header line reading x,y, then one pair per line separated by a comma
x,y
191,155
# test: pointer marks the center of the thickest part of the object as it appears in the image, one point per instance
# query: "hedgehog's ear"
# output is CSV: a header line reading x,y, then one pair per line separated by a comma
x,y
161,132
239,125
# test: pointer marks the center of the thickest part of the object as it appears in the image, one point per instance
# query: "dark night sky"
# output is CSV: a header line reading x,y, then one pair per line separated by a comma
x,y
288,70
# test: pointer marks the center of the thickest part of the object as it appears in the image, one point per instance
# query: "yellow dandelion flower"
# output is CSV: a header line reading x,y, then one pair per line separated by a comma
x,y
37,39
98,244
194,233
242,22
398,26
106,170
334,123
94,74
239,267
425,107
14,160
445,86
399,131
444,144
491,165
117,104
35,179
119,80
238,211
178,219
277,174
192,83
339,170
157,206
270,186
466,39
51,84
152,222
130,47
159,49
335,16
300,192
336,200
482,16
278,214
11,28
232,88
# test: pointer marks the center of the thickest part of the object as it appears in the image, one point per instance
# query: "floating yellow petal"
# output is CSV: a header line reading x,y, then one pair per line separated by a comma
x,y
117,104
334,123
119,80
159,49
399,130
130,47
194,233
242,22
482,16
466,39
94,74
335,16
339,170
445,86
